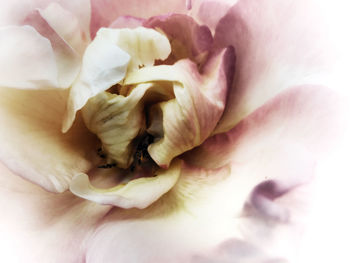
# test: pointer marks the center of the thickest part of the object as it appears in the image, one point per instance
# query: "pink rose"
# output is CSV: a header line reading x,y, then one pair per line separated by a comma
x,y
162,131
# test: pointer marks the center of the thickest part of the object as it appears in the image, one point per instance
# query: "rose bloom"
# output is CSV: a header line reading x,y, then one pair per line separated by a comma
x,y
162,131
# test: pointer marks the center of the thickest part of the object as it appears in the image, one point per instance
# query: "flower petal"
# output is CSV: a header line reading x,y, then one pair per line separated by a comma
x,y
187,37
107,59
284,45
29,66
109,114
67,26
63,24
199,100
306,115
138,193
32,145
39,226
104,12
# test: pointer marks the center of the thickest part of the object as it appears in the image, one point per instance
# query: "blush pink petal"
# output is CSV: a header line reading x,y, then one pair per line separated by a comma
x,y
64,24
104,12
32,144
209,12
196,39
310,116
127,22
278,45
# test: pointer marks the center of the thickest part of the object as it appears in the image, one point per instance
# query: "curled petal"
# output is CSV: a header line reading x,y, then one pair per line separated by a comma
x,y
143,45
107,59
190,117
187,37
278,45
29,66
108,115
138,193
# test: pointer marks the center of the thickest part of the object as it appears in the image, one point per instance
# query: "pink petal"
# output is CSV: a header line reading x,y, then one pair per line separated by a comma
x,y
32,144
196,39
307,115
278,45
104,12
209,12
127,22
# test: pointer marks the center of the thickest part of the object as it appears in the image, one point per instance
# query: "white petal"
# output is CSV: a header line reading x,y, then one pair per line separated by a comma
x,y
104,64
26,59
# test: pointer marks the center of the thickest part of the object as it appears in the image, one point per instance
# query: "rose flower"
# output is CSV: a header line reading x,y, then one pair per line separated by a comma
x,y
161,131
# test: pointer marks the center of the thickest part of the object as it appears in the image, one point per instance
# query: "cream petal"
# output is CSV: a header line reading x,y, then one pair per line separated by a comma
x,y
104,64
189,118
27,59
142,44
138,193
107,59
117,120
32,145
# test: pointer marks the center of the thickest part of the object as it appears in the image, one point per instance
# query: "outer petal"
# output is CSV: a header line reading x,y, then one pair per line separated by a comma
x,y
104,12
33,146
199,99
29,66
307,115
278,45
65,26
39,226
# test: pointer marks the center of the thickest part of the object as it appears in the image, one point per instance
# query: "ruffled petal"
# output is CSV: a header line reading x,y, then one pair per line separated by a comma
x,y
190,117
278,45
29,66
32,145
138,193
104,12
107,59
